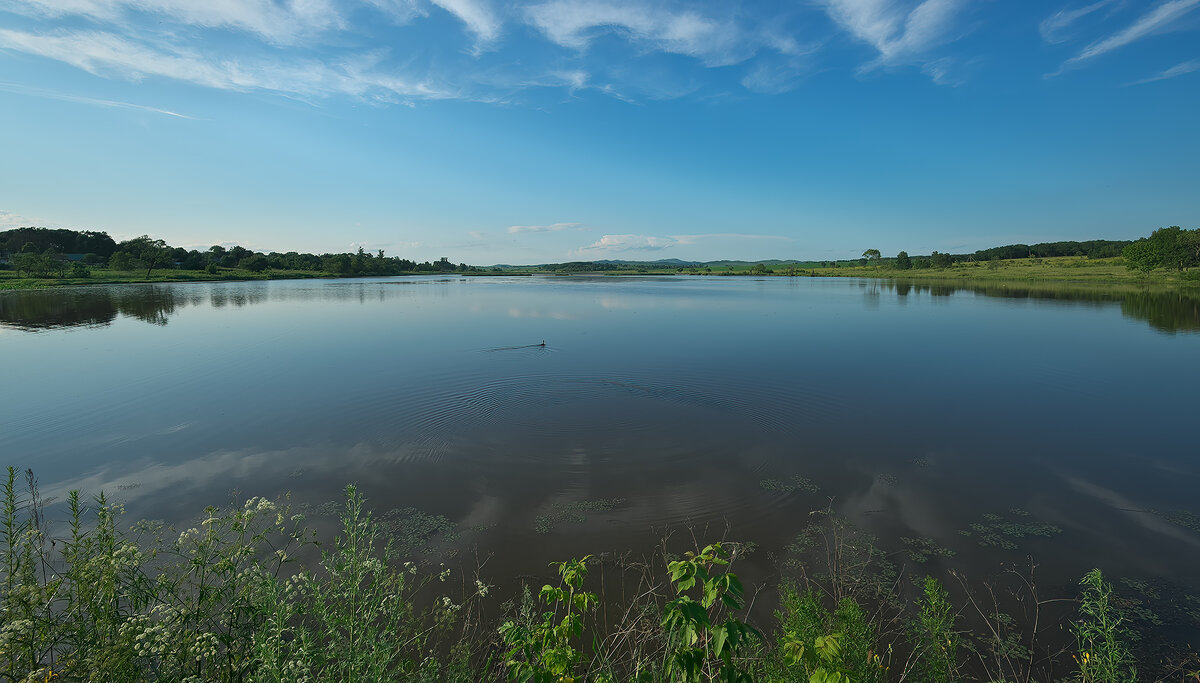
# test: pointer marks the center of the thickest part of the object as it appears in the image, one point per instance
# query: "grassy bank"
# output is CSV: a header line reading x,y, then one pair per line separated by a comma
x,y
228,600
101,276
1065,269
1076,269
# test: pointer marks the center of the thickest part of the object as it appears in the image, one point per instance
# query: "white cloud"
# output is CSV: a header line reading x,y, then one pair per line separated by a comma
x,y
623,243
11,220
286,22
399,11
1156,20
574,23
110,104
553,227
1053,26
109,54
901,36
1177,70
477,15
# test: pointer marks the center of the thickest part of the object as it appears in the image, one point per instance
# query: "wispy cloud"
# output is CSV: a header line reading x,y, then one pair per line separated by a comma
x,y
110,104
900,32
553,227
105,53
277,22
625,243
1177,70
1156,20
1056,25
12,220
574,23
478,16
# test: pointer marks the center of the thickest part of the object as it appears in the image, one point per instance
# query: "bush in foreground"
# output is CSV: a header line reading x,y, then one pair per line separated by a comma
x,y
227,600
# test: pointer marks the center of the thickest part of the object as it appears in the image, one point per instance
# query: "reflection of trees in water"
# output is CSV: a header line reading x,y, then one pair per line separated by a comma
x,y
51,308
1166,310
39,309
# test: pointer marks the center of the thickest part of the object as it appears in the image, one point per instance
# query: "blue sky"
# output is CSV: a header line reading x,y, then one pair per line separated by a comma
x,y
548,130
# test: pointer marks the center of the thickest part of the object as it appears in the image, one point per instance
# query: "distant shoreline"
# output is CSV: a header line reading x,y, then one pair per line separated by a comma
x,y
7,282
1061,269
1075,270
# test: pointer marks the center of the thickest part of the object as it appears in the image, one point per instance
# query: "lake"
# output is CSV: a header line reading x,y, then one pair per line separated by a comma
x,y
1060,422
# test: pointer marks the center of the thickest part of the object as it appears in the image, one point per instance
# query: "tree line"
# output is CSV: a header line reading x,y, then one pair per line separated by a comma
x,y
42,252
1171,248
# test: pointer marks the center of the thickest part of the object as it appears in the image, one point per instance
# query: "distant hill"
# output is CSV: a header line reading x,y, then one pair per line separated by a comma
x,y
660,262
1091,249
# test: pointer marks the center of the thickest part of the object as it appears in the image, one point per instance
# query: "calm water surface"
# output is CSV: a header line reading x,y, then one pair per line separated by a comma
x,y
915,411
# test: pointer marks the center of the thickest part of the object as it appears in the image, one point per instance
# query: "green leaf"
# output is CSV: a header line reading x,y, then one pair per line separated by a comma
x,y
719,636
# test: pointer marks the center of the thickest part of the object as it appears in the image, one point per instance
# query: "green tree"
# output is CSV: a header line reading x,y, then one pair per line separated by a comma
x,y
1175,247
55,262
903,262
940,260
121,260
148,253
255,264
872,256
1141,255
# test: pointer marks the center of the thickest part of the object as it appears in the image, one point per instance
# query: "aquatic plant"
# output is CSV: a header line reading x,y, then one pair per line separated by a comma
x,y
997,531
794,483
922,549
574,512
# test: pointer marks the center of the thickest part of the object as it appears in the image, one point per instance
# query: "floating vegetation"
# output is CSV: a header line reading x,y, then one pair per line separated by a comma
x,y
919,462
888,479
1158,602
411,529
296,474
1184,518
922,549
796,483
329,508
999,532
128,487
575,512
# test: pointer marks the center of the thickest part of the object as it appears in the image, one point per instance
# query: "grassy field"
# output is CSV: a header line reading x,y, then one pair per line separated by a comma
x,y
1066,269
1058,269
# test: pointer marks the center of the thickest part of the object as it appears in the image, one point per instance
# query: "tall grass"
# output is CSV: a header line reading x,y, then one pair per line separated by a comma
x,y
227,600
